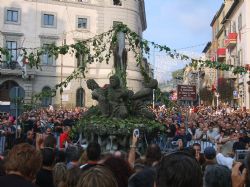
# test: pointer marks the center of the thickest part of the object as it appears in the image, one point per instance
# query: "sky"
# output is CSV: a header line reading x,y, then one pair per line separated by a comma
x,y
179,24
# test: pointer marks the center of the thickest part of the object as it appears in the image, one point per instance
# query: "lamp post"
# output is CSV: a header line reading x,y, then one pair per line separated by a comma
x,y
199,99
153,98
217,95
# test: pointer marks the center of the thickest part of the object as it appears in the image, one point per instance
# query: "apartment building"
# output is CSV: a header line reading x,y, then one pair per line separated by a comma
x,y
230,44
35,23
237,25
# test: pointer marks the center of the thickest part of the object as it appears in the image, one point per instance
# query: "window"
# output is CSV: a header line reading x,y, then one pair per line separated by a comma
x,y
234,27
83,1
217,27
12,15
80,95
225,32
240,22
239,58
82,23
46,101
12,47
48,20
117,2
47,58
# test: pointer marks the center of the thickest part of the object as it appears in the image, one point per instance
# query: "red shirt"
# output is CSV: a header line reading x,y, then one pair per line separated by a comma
x,y
63,138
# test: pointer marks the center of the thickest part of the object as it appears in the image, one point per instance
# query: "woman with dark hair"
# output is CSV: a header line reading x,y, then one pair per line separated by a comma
x,y
215,172
153,155
120,168
179,169
97,176
21,165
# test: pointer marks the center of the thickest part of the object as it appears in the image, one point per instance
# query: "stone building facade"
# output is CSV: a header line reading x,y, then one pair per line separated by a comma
x,y
34,23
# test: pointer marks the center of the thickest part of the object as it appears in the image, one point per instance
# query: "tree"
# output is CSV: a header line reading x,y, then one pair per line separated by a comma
x,y
178,74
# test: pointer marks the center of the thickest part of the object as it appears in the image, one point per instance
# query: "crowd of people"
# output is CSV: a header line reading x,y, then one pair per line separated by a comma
x,y
209,148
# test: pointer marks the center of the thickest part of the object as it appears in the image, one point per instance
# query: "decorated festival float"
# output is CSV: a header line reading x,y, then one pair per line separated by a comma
x,y
118,113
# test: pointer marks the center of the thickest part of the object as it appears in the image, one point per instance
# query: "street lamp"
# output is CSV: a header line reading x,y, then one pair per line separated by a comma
x,y
217,95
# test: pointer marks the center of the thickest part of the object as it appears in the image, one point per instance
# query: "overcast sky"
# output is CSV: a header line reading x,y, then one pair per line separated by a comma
x,y
179,24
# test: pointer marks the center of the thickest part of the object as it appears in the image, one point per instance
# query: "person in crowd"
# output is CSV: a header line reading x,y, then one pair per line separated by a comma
x,y
93,155
64,137
48,131
239,176
143,178
50,142
185,137
197,149
73,176
73,155
30,138
210,157
68,120
122,175
153,155
215,172
44,176
21,165
59,174
10,132
228,161
179,169
97,176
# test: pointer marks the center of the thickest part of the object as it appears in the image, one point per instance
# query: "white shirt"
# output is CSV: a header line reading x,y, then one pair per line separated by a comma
x,y
198,133
225,161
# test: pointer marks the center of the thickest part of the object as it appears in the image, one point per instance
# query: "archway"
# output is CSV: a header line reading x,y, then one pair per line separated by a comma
x,y
5,89
80,97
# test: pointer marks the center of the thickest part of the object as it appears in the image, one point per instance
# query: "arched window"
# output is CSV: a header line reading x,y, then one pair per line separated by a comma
x,y
5,88
80,97
46,100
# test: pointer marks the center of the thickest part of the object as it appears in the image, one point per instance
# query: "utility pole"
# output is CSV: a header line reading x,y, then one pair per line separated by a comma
x,y
199,99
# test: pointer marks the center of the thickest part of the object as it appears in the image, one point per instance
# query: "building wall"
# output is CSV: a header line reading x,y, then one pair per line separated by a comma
x,y
100,14
240,55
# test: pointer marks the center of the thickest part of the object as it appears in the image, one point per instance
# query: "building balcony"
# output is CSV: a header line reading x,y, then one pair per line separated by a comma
x,y
11,68
231,40
221,54
14,69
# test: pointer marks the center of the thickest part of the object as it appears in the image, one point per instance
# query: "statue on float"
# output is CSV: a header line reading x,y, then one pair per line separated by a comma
x,y
113,100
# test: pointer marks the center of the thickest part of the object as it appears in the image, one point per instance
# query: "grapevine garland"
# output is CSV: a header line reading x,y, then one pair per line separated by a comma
x,y
100,48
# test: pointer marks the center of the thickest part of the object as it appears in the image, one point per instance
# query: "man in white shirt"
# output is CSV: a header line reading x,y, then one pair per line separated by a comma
x,y
228,161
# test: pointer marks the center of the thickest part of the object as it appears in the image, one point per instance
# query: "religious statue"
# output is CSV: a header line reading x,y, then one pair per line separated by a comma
x,y
120,56
99,95
114,101
117,97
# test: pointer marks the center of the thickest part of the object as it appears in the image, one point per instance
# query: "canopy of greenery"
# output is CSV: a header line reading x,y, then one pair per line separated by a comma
x,y
109,126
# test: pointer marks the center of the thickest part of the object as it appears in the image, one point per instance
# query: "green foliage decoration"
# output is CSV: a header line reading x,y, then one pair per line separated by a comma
x,y
109,126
